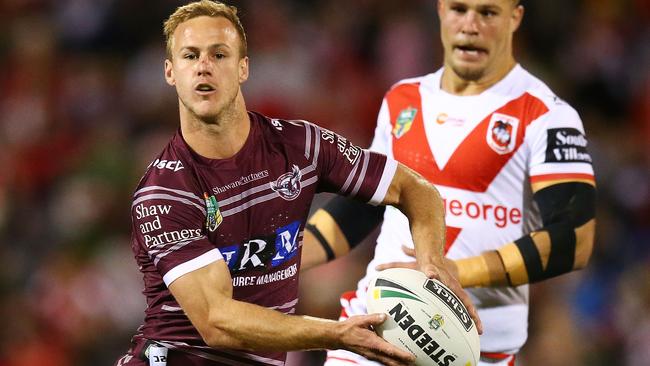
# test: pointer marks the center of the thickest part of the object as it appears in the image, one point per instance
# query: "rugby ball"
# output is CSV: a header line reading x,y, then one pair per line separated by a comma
x,y
424,317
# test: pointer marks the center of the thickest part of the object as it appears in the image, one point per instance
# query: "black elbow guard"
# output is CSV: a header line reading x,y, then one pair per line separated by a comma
x,y
564,207
356,219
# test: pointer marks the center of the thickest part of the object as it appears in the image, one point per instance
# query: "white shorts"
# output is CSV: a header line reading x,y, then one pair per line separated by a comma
x,y
351,305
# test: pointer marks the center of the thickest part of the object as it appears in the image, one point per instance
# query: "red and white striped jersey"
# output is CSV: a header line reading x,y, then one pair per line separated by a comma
x,y
482,152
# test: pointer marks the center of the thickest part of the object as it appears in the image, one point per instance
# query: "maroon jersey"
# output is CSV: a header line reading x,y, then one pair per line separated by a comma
x,y
248,210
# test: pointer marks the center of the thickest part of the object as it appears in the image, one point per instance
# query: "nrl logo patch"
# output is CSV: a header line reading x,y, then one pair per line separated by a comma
x,y
213,218
404,121
288,184
436,322
502,133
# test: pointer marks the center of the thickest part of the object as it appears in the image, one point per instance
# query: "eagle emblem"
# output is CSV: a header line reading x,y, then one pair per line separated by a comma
x,y
288,184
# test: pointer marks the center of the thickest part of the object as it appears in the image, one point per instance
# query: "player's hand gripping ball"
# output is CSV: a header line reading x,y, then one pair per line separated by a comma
x,y
424,317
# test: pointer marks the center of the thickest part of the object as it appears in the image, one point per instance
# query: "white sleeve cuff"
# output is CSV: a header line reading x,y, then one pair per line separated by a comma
x,y
192,265
386,178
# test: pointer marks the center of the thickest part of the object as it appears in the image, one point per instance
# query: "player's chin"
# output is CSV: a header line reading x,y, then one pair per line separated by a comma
x,y
469,71
206,111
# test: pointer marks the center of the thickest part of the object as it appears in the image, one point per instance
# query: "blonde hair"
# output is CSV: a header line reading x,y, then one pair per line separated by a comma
x,y
203,8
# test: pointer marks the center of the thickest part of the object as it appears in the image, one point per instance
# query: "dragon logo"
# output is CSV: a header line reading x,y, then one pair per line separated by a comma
x,y
502,133
288,184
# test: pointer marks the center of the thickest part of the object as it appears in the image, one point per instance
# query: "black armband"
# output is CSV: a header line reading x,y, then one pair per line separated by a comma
x,y
355,219
532,259
563,250
563,207
321,240
572,202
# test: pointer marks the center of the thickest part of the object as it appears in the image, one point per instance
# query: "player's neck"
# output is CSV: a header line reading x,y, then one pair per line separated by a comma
x,y
452,83
220,139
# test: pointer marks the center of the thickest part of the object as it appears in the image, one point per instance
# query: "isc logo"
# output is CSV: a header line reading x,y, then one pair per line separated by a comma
x,y
277,124
173,165
263,253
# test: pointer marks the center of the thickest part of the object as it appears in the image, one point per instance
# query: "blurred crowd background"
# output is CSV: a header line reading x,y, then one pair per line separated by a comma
x,y
84,108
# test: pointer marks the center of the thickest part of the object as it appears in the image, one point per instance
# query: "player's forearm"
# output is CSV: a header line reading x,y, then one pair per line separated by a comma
x,y
422,204
508,265
205,295
485,270
427,226
548,253
241,325
563,245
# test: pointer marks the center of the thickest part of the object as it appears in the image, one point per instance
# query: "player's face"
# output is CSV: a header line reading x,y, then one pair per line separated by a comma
x,y
477,35
206,67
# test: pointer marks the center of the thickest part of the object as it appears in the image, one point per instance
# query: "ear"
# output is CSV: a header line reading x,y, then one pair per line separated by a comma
x,y
517,16
169,73
243,69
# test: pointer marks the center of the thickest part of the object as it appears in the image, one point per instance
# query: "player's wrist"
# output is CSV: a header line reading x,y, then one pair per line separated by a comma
x,y
484,270
332,334
473,272
431,257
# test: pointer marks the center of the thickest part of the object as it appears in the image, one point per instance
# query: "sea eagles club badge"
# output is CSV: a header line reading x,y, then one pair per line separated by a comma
x,y
404,121
214,218
288,184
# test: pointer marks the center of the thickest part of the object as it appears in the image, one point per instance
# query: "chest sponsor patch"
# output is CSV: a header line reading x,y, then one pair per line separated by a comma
x,y
566,145
263,253
444,118
244,180
502,133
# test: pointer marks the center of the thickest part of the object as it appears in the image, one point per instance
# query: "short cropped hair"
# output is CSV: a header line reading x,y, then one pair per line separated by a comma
x,y
203,8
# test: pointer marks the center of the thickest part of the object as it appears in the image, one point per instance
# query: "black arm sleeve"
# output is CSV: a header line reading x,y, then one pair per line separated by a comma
x,y
572,202
564,207
356,219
